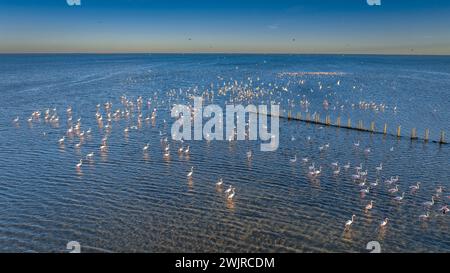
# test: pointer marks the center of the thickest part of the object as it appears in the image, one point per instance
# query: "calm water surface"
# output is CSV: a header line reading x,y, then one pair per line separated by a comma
x,y
126,200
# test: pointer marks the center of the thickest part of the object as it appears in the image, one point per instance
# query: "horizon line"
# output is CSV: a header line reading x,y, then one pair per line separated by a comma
x,y
221,53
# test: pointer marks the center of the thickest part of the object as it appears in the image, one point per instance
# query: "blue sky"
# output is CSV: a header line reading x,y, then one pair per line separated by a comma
x,y
282,26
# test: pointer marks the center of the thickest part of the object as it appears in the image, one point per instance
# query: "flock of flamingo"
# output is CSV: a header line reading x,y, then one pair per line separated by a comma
x,y
360,178
106,115
105,123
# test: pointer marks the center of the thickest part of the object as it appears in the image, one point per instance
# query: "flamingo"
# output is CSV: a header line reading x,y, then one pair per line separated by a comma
x,y
146,147
399,198
379,168
319,171
393,190
374,184
220,182
336,172
363,191
369,206
350,222
444,209
384,222
293,160
347,166
424,217
363,173
428,203
191,172
230,188
356,177
231,195
80,164
415,187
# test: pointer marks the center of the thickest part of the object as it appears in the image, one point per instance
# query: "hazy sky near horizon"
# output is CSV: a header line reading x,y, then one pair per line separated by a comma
x,y
248,26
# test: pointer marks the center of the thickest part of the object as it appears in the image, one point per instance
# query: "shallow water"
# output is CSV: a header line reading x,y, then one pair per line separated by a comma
x,y
126,200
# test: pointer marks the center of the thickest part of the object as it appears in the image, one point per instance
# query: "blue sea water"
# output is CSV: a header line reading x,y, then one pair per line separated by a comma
x,y
126,200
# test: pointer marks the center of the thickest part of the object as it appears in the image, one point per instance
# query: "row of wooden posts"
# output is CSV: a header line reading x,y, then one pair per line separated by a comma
x,y
360,127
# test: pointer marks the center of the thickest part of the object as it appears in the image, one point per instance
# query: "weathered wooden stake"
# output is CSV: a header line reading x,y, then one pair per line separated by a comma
x,y
413,133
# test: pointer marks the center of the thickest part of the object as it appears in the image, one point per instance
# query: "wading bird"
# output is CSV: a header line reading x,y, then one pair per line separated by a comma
x,y
349,223
369,206
384,223
220,182
190,172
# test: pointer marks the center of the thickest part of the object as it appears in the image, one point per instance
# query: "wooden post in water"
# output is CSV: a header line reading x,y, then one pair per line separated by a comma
x,y
289,115
360,125
385,129
427,135
413,133
349,123
338,122
299,116
372,127
308,116
442,140
399,130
